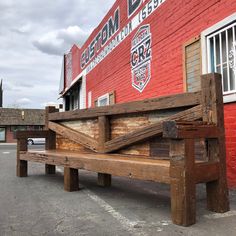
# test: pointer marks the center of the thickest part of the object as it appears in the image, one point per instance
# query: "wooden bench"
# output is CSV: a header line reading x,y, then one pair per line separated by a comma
x,y
177,140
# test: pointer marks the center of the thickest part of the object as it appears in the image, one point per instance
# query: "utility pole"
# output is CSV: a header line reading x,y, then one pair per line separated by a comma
x,y
1,95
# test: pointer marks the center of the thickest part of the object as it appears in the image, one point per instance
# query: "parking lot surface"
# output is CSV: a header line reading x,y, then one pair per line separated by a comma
x,y
38,205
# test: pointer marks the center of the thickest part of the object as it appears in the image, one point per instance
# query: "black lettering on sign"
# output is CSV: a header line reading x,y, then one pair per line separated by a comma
x,y
133,6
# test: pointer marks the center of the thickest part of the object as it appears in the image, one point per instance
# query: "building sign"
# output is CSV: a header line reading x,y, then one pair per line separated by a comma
x,y
93,58
141,58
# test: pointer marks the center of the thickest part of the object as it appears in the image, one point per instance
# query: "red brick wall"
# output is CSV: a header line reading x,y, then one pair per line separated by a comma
x,y
230,130
9,136
173,24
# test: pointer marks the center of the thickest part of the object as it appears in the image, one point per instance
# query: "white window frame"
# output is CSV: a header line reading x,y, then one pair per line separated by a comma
x,y
103,97
229,96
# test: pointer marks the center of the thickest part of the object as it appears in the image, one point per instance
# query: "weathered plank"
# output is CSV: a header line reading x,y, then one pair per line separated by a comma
x,y
171,129
161,103
21,165
213,111
32,134
118,165
149,131
104,180
206,172
75,136
182,181
71,179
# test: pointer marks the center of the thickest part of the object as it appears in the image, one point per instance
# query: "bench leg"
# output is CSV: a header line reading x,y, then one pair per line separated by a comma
x,y
104,180
22,168
71,179
217,191
50,169
183,202
183,187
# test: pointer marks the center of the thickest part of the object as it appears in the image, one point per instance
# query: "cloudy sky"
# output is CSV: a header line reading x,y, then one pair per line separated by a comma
x,y
34,34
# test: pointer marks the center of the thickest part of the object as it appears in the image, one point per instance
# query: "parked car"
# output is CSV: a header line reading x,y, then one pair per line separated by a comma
x,y
33,141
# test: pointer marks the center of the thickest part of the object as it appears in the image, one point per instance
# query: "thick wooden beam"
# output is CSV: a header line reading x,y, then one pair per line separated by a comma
x,y
172,129
213,112
50,140
207,172
104,180
182,180
119,165
155,104
74,136
21,165
32,134
149,131
71,179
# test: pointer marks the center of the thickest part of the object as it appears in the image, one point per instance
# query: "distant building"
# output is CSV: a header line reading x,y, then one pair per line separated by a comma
x,y
12,120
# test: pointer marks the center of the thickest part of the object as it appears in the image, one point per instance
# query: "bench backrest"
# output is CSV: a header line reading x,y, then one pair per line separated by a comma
x,y
136,127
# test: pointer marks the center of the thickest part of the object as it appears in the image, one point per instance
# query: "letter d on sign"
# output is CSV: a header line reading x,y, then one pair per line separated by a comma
x,y
133,6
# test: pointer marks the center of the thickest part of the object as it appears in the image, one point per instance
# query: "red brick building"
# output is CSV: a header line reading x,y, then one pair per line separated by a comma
x,y
149,48
12,120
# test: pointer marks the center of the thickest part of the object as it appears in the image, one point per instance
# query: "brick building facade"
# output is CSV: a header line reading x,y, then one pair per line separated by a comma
x,y
150,48
12,120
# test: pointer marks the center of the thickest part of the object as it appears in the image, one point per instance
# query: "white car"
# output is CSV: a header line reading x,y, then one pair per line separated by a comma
x,y
33,141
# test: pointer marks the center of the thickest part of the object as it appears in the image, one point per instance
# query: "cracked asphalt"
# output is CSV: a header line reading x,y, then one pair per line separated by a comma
x,y
38,205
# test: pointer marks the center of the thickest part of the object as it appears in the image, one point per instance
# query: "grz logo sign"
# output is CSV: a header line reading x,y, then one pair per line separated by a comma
x,y
141,58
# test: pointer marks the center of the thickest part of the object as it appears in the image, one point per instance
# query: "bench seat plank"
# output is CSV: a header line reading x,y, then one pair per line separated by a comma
x,y
114,164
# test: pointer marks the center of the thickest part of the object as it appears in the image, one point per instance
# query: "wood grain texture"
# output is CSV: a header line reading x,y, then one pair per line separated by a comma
x,y
118,165
71,179
213,112
75,136
182,181
149,131
161,103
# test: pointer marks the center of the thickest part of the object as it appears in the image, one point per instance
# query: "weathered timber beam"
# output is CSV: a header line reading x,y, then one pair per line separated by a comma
x,y
206,172
149,131
171,129
74,136
32,134
117,165
155,104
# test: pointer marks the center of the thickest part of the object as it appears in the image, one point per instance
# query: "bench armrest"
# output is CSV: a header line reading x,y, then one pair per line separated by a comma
x,y
190,130
32,134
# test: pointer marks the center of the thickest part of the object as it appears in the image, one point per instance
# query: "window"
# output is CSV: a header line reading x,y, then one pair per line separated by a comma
x,y
103,100
2,134
192,65
221,55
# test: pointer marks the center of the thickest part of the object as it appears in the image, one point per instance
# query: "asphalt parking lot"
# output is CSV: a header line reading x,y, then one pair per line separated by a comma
x,y
38,205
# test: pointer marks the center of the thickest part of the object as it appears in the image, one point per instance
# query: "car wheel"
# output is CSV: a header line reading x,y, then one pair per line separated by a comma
x,y
30,142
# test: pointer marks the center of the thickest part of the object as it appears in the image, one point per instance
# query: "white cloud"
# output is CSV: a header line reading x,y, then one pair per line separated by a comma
x,y
28,28
23,101
59,41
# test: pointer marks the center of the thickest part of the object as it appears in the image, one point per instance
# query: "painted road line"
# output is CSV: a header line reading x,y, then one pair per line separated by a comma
x,y
5,153
129,225
220,215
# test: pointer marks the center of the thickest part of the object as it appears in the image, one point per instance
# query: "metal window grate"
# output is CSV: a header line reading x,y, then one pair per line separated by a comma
x,y
221,51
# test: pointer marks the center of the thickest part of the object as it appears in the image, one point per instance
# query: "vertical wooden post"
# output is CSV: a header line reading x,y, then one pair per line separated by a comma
x,y
21,165
50,140
182,180
71,179
213,112
104,180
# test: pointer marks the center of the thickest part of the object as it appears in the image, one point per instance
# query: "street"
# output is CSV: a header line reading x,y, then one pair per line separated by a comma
x,y
38,205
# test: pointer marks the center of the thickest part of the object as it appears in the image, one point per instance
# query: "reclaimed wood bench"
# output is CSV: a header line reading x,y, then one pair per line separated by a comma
x,y
177,140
